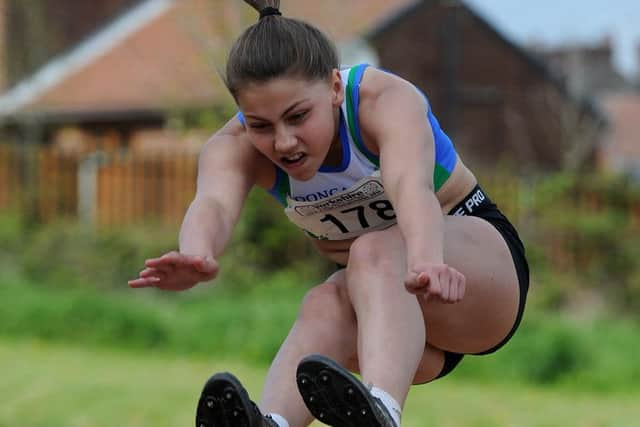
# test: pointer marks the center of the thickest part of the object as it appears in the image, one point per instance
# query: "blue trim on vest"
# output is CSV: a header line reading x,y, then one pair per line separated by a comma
x,y
240,117
346,152
445,152
446,155
280,175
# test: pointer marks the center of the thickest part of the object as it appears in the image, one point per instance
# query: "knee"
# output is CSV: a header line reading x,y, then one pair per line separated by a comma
x,y
327,303
369,251
326,323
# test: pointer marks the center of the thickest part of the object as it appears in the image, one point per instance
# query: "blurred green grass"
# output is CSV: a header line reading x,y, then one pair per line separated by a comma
x,y
49,385
78,348
597,353
203,321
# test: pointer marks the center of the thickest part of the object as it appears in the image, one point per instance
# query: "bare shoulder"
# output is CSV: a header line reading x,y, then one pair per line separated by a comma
x,y
229,151
229,146
376,83
385,97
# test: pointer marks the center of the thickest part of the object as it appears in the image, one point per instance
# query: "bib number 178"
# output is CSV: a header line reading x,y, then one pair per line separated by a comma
x,y
382,208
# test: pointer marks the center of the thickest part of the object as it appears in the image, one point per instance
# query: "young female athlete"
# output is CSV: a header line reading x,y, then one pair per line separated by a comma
x,y
431,269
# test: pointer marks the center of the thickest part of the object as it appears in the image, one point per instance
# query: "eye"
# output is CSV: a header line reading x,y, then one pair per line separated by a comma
x,y
260,126
298,117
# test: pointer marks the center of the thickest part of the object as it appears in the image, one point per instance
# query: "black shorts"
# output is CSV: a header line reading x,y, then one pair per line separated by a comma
x,y
478,204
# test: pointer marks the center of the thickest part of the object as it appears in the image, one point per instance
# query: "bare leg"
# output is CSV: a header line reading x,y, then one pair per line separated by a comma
x,y
490,305
377,264
389,318
327,325
391,331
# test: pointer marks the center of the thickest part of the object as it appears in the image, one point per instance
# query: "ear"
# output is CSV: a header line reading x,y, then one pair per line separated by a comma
x,y
337,88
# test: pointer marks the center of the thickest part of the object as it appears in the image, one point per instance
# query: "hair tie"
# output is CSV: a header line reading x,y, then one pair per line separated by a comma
x,y
268,11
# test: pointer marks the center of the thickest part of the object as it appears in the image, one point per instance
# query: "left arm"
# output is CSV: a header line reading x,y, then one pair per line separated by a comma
x,y
394,115
395,118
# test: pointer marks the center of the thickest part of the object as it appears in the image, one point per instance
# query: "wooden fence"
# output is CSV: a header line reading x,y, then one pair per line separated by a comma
x,y
104,188
129,187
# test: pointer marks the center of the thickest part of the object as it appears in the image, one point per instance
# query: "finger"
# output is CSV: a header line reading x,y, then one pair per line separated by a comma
x,y
159,263
166,266
455,289
423,279
152,262
166,259
459,291
417,283
445,285
434,286
462,287
146,282
411,282
150,272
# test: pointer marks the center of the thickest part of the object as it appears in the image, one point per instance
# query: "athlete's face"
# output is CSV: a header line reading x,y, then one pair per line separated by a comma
x,y
293,121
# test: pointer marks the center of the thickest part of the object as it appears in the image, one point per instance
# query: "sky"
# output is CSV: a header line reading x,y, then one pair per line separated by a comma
x,y
553,22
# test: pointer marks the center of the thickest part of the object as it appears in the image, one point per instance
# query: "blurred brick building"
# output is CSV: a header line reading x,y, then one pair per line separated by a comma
x,y
38,30
134,70
495,98
589,70
155,59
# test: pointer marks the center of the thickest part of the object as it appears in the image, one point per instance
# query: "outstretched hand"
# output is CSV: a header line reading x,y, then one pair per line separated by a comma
x,y
436,281
174,271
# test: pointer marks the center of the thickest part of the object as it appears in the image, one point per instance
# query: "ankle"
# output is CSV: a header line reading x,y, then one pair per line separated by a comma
x,y
391,405
278,419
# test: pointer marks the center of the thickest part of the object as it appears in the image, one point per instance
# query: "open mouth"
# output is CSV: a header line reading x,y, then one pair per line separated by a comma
x,y
293,159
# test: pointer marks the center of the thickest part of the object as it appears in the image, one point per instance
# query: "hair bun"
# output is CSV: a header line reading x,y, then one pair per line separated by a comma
x,y
270,11
259,5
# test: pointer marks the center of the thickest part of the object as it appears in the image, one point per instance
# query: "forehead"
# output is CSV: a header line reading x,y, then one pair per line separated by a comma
x,y
279,90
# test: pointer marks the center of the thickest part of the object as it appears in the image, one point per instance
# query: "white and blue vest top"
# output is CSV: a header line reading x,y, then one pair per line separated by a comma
x,y
346,201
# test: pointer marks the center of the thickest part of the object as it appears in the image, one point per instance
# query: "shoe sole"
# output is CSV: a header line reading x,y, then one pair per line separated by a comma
x,y
224,402
333,395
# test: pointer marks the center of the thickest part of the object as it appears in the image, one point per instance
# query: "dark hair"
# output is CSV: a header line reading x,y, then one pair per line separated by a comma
x,y
277,46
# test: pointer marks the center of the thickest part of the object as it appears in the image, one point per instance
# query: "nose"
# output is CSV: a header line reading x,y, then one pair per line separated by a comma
x,y
285,140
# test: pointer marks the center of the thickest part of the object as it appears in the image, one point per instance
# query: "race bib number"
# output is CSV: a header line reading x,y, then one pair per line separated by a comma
x,y
348,214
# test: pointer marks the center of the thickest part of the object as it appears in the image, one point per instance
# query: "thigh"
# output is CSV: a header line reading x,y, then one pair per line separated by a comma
x,y
489,308
476,249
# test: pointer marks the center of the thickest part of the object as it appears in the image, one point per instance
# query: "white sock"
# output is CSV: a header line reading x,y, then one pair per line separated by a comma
x,y
279,419
389,402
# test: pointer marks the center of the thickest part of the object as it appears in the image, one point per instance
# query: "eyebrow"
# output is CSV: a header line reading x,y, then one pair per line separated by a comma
x,y
287,111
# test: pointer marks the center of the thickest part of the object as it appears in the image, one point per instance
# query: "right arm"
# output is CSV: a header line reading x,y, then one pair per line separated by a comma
x,y
227,170
226,173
